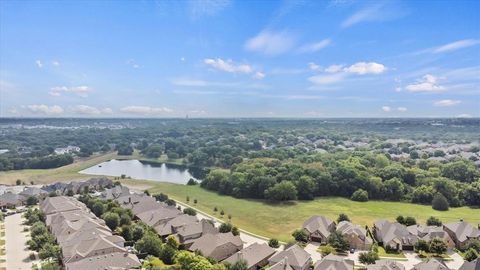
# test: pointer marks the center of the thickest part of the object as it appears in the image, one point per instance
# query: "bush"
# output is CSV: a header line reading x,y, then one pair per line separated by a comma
x,y
273,243
235,231
474,244
342,217
225,228
338,241
192,182
433,221
325,250
32,200
437,246
368,257
190,211
112,220
300,235
170,202
471,255
160,197
439,202
359,195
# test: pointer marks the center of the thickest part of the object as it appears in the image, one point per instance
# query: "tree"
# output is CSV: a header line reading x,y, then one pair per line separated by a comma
x,y
300,235
18,182
112,220
471,255
433,221
273,243
368,257
409,221
439,202
171,202
437,246
342,217
98,208
50,250
172,241
338,241
473,243
149,244
125,219
400,219
421,245
283,191
137,232
235,231
195,201
305,187
325,250
190,211
126,232
225,228
360,195
160,197
191,182
32,200
167,253
239,265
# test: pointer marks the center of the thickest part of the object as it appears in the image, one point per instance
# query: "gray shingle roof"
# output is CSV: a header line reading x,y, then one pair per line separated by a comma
x,y
222,243
431,264
281,265
387,232
253,254
297,257
318,223
463,230
386,265
473,265
334,262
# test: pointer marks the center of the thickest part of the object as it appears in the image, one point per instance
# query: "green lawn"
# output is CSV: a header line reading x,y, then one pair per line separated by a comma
x,y
383,253
279,220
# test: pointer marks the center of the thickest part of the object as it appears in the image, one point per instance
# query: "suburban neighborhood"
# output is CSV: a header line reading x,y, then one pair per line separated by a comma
x,y
87,241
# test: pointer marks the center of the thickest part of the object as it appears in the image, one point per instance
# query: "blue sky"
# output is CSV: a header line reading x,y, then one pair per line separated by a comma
x,y
223,58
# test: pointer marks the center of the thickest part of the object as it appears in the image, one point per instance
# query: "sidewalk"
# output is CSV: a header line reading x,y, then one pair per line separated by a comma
x,y
17,252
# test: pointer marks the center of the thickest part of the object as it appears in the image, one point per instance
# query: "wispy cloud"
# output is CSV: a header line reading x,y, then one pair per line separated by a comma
x,y
446,103
381,11
89,110
427,83
201,8
453,46
271,43
327,79
337,73
145,110
316,46
386,108
81,91
43,109
362,68
39,63
228,66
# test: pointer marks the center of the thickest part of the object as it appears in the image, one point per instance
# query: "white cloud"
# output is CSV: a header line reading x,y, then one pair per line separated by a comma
x,y
39,63
446,103
334,68
228,66
55,63
313,66
313,47
464,115
381,11
82,90
401,109
362,68
89,110
259,75
386,108
270,43
398,89
327,79
146,110
189,82
44,109
456,45
363,15
428,83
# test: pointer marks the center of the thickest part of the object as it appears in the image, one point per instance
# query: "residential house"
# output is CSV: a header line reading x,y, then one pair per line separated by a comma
x,y
114,192
172,225
33,191
334,262
116,261
256,255
52,205
386,265
431,264
158,215
187,234
473,265
319,228
428,233
281,265
296,258
461,232
356,235
218,246
11,200
394,236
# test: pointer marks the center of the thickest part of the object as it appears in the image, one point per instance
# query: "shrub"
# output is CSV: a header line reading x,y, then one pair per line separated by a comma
x,y
300,235
471,255
433,221
473,243
439,202
437,246
225,228
32,200
160,197
191,182
325,250
235,231
342,217
359,195
112,220
338,241
170,202
190,211
368,257
273,243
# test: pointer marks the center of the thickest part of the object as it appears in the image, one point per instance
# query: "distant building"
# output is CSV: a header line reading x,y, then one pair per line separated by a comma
x,y
67,150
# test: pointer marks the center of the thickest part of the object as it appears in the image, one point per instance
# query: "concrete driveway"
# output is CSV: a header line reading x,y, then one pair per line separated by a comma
x,y
17,253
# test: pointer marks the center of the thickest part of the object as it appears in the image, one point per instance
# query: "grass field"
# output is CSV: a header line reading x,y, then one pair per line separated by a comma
x,y
279,220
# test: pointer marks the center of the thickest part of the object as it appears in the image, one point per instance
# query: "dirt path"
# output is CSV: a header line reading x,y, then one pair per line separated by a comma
x,y
16,248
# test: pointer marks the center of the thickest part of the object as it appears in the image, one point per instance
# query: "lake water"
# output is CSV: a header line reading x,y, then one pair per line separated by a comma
x,y
136,169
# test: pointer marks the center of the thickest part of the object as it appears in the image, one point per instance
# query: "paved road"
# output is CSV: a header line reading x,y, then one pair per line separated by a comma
x,y
16,249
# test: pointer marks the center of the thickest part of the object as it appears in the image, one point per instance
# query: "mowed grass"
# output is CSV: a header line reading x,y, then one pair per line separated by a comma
x,y
279,220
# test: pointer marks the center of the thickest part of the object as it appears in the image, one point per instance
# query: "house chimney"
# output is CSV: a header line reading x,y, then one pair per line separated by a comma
x,y
129,199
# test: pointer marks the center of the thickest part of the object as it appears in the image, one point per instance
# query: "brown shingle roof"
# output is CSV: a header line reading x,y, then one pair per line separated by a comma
x,y
253,254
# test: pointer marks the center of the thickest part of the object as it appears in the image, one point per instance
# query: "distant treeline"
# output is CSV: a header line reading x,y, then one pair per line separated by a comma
x,y
46,162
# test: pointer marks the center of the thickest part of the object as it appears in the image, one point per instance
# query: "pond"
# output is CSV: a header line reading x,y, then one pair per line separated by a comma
x,y
136,169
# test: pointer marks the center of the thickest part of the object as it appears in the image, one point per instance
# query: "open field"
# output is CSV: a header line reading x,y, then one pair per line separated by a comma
x,y
279,220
